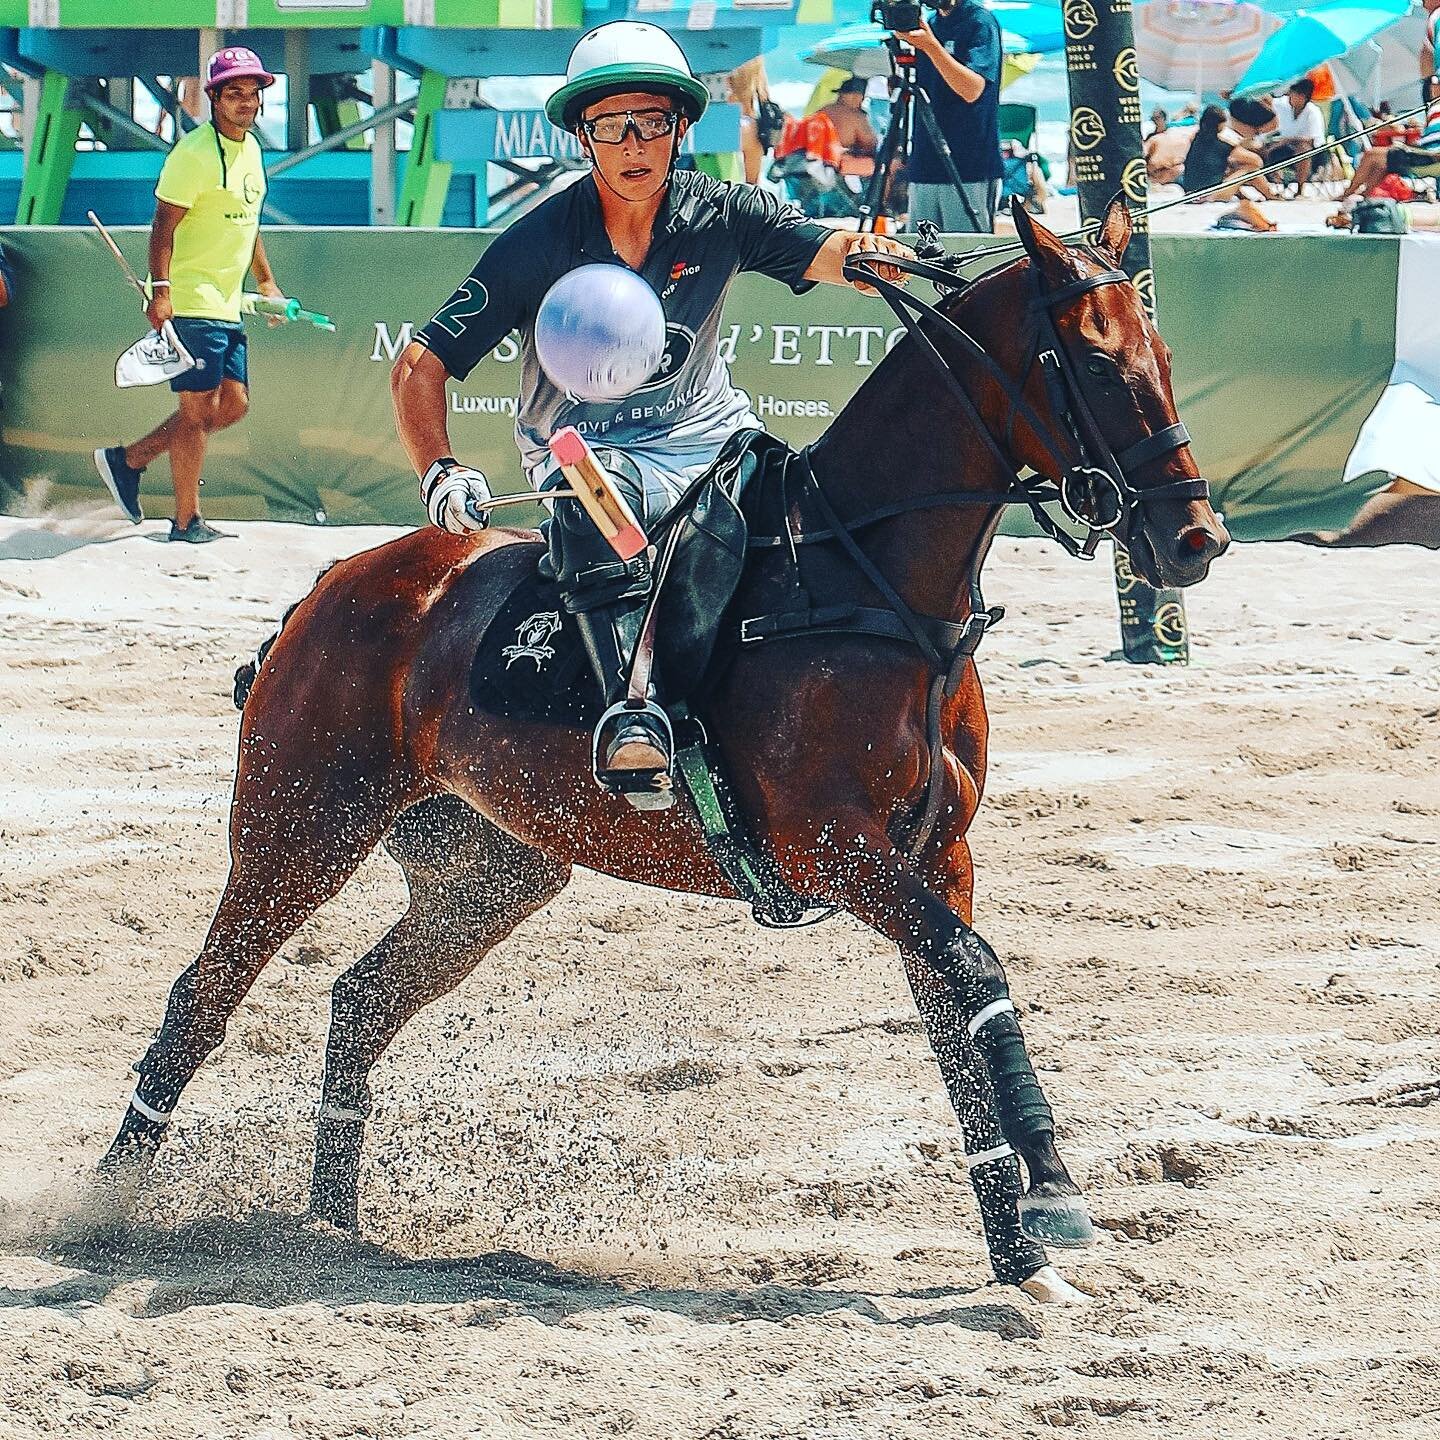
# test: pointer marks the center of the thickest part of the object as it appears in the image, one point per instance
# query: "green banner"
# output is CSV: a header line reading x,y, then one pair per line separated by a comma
x,y
1273,387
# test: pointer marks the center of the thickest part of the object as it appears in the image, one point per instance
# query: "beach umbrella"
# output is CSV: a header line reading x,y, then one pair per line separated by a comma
x,y
1025,28
1202,46
1383,68
1325,33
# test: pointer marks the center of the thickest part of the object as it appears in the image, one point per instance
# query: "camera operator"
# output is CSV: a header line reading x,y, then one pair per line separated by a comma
x,y
957,64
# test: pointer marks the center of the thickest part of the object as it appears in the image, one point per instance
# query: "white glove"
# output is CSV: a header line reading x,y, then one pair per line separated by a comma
x,y
452,494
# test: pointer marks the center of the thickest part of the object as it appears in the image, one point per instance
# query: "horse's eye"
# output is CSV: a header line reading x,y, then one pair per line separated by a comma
x,y
1098,367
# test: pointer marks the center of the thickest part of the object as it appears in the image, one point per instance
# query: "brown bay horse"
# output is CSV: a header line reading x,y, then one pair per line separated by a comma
x,y
360,729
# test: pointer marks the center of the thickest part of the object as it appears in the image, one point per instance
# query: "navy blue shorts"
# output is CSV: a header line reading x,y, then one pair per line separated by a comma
x,y
219,348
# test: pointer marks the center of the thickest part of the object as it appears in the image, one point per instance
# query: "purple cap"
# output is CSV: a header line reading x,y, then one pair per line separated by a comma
x,y
236,62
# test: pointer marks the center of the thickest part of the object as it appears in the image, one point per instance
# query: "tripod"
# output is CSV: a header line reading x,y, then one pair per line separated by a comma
x,y
910,97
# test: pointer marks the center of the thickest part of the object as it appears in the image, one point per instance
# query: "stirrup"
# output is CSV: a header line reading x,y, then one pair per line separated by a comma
x,y
644,789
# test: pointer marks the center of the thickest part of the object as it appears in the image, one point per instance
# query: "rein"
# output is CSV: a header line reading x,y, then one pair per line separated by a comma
x,y
1095,490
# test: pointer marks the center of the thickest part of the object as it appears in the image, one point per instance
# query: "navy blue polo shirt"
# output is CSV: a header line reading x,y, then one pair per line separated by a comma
x,y
706,233
972,131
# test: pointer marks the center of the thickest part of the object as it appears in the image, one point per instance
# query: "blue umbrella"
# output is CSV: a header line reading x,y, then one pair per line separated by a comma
x,y
1025,29
1322,34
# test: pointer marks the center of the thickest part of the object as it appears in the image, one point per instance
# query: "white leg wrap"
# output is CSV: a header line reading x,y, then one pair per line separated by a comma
x,y
985,1016
160,1117
988,1157
341,1112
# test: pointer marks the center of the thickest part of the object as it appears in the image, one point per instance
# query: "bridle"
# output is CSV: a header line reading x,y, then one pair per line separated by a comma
x,y
1094,487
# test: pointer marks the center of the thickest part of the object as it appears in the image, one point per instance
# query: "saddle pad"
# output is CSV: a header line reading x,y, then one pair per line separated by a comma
x,y
530,663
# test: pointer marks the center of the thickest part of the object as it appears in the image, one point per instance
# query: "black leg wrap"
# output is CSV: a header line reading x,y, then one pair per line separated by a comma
x,y
975,976
1024,1112
970,968
1014,1256
138,1132
335,1183
154,1089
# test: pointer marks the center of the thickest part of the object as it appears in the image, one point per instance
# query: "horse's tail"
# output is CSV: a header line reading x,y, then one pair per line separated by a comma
x,y
245,675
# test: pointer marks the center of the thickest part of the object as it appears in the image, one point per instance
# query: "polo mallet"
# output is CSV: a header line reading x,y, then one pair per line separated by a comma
x,y
120,259
283,309
593,489
145,362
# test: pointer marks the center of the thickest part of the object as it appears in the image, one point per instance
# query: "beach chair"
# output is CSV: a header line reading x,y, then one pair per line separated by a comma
x,y
807,164
1017,123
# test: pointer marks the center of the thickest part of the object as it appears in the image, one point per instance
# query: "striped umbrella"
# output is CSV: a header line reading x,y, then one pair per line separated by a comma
x,y
1202,46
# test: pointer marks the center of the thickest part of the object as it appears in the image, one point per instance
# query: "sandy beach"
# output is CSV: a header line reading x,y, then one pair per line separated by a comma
x,y
656,1172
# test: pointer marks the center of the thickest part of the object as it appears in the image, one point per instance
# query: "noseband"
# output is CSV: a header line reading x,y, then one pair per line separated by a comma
x,y
1094,488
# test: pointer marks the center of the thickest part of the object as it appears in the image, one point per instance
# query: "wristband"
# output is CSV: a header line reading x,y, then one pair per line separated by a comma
x,y
435,471
158,284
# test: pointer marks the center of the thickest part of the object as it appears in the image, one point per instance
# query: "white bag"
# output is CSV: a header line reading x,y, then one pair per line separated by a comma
x,y
154,358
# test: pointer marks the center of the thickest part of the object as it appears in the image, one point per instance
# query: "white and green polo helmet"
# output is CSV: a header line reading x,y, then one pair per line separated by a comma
x,y
625,55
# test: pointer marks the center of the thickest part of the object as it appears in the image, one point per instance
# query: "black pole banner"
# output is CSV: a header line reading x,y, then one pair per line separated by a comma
x,y
1109,160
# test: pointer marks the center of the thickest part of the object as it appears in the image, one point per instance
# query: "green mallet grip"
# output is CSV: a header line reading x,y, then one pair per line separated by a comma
x,y
286,309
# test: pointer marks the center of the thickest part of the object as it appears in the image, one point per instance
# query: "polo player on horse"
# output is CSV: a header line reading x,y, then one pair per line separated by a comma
x,y
629,96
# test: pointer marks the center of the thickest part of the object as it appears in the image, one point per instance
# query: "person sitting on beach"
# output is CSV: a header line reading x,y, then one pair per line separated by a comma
x,y
856,134
1251,118
1165,151
1299,128
1420,159
1214,158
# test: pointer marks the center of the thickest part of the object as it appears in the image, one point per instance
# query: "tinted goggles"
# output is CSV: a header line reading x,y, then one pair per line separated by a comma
x,y
647,125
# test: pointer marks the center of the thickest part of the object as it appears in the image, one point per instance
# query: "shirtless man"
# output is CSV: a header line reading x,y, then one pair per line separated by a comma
x,y
847,112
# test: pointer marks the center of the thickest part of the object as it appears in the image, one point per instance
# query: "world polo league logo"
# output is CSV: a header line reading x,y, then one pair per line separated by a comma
x,y
1080,19
1169,623
1087,129
679,342
1144,282
1125,578
1126,69
1133,179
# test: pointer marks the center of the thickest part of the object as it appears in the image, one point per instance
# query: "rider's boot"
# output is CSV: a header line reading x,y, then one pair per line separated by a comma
x,y
633,743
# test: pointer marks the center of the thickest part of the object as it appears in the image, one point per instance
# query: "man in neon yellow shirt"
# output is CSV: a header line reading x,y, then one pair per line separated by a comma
x,y
205,237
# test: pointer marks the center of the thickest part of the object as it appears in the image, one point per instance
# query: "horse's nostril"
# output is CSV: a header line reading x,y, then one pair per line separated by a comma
x,y
1196,540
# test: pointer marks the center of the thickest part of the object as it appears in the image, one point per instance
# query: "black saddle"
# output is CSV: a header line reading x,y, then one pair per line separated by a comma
x,y
530,663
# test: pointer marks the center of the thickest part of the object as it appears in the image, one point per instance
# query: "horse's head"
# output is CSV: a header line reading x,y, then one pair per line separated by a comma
x,y
1099,380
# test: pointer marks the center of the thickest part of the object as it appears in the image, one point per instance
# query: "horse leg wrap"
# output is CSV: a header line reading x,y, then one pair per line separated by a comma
x,y
1025,1115
997,1182
973,971
155,1097
141,1131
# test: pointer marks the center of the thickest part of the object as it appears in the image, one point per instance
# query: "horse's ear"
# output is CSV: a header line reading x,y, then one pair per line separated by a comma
x,y
1115,230
1047,250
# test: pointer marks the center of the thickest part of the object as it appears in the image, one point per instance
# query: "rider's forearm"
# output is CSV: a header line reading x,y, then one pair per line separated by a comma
x,y
965,82
417,389
828,266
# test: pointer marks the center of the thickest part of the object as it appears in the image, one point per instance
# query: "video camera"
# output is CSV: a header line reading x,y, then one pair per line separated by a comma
x,y
899,15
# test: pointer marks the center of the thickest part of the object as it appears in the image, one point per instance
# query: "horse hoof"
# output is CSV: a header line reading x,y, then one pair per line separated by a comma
x,y
1056,1220
120,1177
1047,1286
